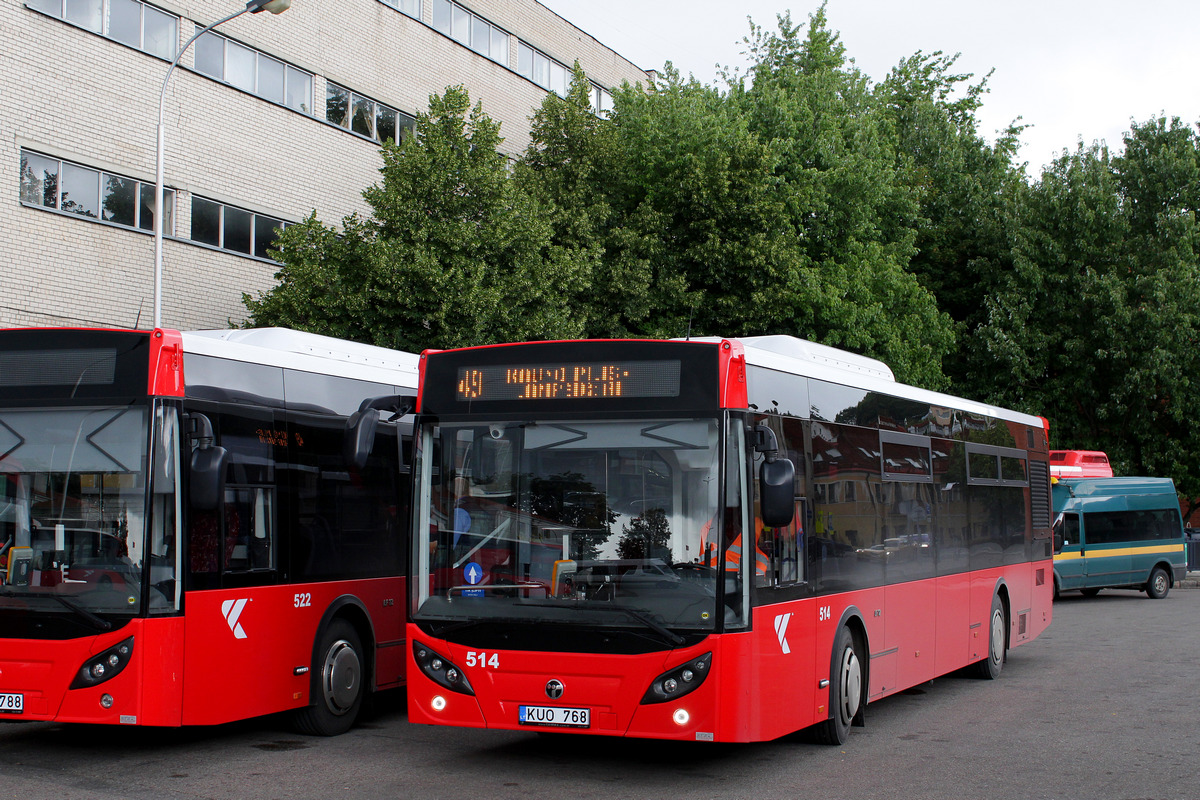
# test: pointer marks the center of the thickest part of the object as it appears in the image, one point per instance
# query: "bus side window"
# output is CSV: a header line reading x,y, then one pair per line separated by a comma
x,y
249,528
783,548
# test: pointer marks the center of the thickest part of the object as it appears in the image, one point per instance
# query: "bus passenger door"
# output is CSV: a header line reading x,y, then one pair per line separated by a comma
x,y
1069,561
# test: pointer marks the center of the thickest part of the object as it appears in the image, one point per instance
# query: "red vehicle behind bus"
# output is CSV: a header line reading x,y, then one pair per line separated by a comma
x,y
710,540
183,537
1079,464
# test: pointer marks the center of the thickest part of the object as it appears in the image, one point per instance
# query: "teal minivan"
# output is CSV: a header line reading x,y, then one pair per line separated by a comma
x,y
1121,533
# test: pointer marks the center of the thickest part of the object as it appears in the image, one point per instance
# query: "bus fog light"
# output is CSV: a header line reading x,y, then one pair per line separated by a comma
x,y
681,716
438,703
106,701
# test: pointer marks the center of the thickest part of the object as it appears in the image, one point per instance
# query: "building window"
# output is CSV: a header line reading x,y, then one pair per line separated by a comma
x,y
553,76
364,116
130,22
410,7
601,100
470,30
232,228
91,193
254,72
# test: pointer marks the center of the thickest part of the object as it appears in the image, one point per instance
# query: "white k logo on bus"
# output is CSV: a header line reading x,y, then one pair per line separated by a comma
x,y
781,623
232,609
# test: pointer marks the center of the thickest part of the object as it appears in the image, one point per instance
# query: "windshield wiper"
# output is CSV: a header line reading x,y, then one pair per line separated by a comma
x,y
639,614
96,620
648,621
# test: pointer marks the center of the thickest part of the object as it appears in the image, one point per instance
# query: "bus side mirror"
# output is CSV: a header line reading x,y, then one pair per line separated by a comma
x,y
359,436
208,477
776,484
776,480
206,480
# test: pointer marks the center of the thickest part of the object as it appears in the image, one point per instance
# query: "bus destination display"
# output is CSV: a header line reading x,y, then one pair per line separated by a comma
x,y
569,381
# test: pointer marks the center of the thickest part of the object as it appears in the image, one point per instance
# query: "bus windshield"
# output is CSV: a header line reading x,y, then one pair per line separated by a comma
x,y
72,509
597,522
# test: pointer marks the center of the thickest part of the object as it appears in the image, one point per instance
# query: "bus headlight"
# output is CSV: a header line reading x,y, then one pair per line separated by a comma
x,y
440,670
684,679
105,666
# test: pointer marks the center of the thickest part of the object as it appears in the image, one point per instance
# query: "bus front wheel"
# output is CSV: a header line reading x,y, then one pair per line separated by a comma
x,y
845,691
340,683
1159,583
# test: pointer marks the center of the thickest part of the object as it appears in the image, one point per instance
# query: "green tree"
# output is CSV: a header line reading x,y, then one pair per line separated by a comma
x,y
455,253
839,176
769,207
1097,325
967,191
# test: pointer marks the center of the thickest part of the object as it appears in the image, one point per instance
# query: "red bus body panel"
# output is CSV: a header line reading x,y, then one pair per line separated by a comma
x,y
1080,464
227,678
256,660
147,691
764,683
166,364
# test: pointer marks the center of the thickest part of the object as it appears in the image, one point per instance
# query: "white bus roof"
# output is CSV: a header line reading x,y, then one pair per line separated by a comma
x,y
801,357
307,352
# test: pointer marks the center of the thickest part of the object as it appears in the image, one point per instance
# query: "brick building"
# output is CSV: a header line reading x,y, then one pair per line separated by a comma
x,y
266,119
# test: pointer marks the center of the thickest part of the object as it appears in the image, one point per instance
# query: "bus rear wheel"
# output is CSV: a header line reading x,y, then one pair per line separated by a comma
x,y
1159,583
340,683
991,665
845,691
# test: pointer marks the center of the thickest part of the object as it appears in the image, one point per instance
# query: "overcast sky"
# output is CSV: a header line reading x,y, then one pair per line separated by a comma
x,y
1072,69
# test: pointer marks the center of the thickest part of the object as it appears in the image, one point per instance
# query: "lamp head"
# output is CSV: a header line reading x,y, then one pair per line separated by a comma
x,y
274,6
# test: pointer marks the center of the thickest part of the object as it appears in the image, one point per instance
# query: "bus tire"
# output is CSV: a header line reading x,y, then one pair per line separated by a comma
x,y
845,691
1159,584
339,671
989,666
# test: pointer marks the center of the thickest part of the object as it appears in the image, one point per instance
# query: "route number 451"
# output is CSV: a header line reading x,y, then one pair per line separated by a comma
x,y
482,659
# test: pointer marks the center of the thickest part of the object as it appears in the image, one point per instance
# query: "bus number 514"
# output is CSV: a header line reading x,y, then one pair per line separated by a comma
x,y
482,659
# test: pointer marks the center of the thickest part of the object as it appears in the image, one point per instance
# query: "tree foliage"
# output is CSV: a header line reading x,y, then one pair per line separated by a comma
x,y
1097,325
803,199
455,253
764,208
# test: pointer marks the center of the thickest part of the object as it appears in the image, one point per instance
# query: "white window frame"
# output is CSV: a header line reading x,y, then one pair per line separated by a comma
x,y
58,10
289,73
139,187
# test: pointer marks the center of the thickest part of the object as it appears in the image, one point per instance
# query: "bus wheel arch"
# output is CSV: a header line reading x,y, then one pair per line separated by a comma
x,y
849,677
1159,583
340,676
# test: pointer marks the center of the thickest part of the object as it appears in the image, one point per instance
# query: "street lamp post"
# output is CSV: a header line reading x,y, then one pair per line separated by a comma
x,y
254,7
